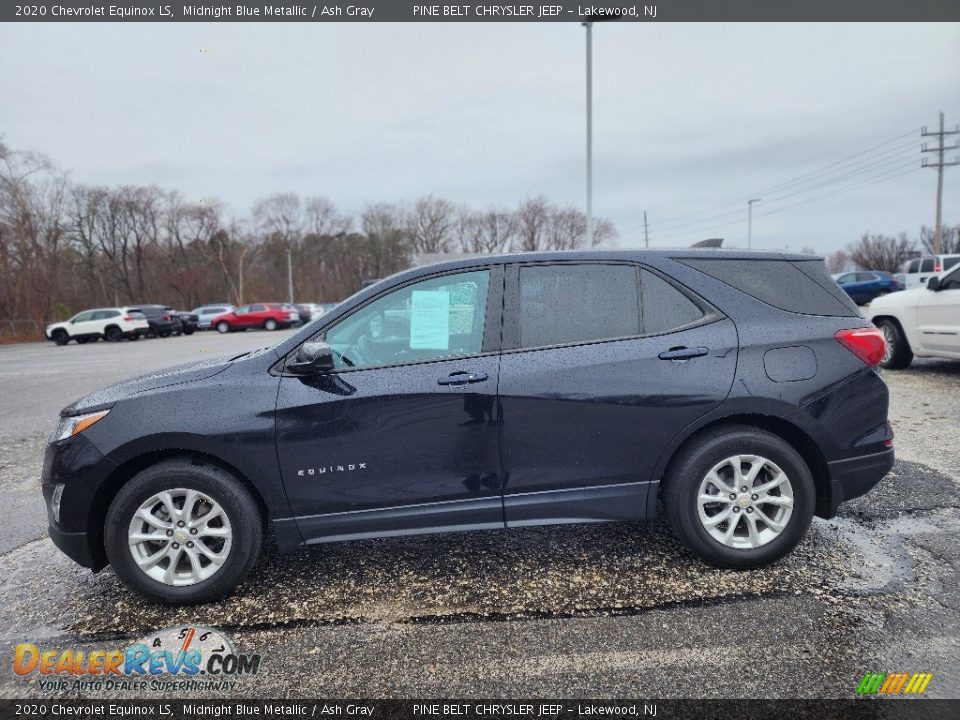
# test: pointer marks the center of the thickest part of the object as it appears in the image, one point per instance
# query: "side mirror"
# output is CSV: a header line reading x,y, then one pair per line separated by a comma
x,y
313,358
933,283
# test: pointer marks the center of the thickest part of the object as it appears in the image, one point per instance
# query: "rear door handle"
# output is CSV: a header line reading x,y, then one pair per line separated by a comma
x,y
682,353
462,377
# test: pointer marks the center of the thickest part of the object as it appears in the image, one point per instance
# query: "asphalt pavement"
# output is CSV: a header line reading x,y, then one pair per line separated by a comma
x,y
571,611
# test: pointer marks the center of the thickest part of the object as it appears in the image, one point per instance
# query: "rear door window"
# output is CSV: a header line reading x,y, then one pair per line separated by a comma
x,y
664,307
926,265
950,262
564,304
914,266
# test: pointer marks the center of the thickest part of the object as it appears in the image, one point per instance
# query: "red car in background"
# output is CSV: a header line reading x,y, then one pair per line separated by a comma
x,y
269,316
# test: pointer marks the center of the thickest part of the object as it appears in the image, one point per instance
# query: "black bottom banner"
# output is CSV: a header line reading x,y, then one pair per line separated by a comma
x,y
907,709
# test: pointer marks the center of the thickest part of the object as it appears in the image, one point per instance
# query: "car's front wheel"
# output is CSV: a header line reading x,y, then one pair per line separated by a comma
x,y
739,497
60,337
223,327
897,354
183,531
270,324
114,334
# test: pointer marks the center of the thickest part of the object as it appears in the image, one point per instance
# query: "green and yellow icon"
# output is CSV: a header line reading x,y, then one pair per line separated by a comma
x,y
902,683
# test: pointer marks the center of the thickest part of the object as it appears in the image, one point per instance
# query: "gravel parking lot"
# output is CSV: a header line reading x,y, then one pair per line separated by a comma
x,y
569,611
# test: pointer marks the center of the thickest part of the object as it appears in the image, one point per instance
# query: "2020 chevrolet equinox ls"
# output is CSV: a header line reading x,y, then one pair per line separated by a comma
x,y
494,392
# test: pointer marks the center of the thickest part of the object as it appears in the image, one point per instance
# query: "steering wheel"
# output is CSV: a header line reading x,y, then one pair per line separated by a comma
x,y
360,353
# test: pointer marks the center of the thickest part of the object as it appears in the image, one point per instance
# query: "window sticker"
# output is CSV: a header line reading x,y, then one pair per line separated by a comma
x,y
430,320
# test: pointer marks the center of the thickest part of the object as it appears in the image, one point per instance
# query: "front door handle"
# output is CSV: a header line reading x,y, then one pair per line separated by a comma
x,y
682,353
462,377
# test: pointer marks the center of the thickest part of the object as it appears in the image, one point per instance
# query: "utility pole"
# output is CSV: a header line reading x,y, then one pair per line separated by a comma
x,y
290,274
939,165
646,234
750,222
589,27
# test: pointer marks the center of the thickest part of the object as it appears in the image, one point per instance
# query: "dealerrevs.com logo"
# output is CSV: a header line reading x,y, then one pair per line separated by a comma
x,y
183,657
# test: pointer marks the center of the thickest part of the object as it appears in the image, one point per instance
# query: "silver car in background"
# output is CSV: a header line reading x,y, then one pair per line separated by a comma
x,y
206,313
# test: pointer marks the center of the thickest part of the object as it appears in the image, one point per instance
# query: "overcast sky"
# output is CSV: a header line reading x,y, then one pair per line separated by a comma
x,y
688,118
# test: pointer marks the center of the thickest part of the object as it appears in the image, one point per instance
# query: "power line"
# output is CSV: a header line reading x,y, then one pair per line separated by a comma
x,y
793,180
873,168
883,177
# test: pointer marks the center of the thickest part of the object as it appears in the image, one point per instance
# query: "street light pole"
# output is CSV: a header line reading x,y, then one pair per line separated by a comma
x,y
750,221
589,27
290,275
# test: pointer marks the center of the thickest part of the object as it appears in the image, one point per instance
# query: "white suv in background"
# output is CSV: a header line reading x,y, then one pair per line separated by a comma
x,y
110,323
916,272
923,322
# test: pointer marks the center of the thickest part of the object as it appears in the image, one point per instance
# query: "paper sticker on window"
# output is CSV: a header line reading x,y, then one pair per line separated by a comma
x,y
429,320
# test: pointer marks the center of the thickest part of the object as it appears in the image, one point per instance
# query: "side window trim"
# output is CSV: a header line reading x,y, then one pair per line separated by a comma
x,y
492,330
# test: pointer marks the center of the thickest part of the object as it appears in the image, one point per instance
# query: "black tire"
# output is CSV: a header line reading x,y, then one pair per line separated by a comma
x,y
188,331
152,331
163,333
60,337
689,468
113,334
898,355
216,483
223,326
270,324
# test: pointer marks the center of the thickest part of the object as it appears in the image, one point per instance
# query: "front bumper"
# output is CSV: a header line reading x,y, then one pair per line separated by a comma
x,y
81,469
852,477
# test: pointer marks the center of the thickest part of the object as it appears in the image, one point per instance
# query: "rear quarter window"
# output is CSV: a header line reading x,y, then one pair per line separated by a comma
x,y
799,287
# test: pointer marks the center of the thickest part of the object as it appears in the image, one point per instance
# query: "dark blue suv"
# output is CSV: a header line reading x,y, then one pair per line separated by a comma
x,y
864,286
494,392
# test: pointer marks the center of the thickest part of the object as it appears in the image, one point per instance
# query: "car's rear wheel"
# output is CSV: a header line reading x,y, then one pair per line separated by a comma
x,y
183,531
113,334
897,354
739,497
60,337
188,331
270,324
223,326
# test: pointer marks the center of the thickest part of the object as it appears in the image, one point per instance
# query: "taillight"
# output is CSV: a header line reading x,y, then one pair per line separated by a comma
x,y
166,317
127,318
938,267
866,343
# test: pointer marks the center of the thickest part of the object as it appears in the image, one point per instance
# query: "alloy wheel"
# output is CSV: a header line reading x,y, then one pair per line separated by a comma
x,y
745,501
889,340
180,537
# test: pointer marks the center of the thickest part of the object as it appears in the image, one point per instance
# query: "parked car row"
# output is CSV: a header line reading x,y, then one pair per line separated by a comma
x,y
133,322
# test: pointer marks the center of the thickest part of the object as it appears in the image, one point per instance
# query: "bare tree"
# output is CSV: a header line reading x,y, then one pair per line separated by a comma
x,y
429,225
950,239
881,252
487,231
838,261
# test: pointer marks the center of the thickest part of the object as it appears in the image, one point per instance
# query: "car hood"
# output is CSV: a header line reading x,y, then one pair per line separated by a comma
x,y
903,298
108,396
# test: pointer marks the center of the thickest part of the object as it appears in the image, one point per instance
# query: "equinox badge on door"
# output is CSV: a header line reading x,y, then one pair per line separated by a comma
x,y
332,469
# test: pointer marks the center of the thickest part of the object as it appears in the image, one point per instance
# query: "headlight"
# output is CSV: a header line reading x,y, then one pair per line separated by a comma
x,y
70,426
